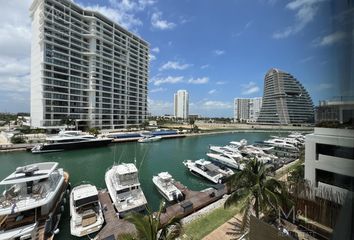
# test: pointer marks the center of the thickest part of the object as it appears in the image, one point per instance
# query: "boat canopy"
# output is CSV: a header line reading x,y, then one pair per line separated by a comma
x,y
29,173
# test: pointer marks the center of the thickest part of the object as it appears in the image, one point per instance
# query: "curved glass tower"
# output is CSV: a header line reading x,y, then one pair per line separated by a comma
x,y
285,100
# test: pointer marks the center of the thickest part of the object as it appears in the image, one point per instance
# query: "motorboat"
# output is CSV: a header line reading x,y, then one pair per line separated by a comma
x,y
228,159
150,138
32,202
164,184
208,170
69,140
85,210
123,185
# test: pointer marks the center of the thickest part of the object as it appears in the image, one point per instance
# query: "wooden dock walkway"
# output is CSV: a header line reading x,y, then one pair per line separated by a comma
x,y
114,226
193,201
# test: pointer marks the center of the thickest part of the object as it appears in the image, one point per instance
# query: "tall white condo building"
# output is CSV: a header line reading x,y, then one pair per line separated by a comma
x,y
181,104
85,67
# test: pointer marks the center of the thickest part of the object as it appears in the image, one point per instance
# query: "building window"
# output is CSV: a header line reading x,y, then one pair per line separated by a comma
x,y
334,179
334,151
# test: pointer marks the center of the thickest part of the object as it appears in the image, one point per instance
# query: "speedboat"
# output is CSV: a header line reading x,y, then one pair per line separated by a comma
x,y
208,170
85,210
228,159
69,140
164,183
151,138
124,188
31,204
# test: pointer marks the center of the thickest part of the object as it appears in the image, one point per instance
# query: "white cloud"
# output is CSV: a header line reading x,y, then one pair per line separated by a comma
x,y
220,83
307,59
152,57
306,11
158,23
219,52
324,86
202,80
168,80
174,65
155,90
330,39
204,66
159,107
15,45
155,50
212,91
217,105
250,88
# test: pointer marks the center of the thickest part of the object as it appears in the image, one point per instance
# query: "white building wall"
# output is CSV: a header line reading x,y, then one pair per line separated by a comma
x,y
181,103
338,165
37,55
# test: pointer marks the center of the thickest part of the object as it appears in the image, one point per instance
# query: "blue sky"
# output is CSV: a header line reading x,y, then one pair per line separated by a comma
x,y
217,50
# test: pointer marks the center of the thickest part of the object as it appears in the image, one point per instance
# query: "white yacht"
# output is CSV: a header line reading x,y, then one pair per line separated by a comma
x,y
146,139
208,170
228,159
85,210
124,188
69,140
31,202
283,149
164,183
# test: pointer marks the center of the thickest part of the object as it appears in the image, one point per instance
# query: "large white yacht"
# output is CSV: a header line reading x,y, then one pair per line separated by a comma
x,y
231,160
85,210
31,202
208,170
123,185
69,140
164,183
149,138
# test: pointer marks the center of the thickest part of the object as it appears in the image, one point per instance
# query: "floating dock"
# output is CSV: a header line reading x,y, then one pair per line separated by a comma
x,y
114,226
194,201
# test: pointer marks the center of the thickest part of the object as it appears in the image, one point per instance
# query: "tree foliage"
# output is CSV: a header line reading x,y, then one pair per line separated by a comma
x,y
149,227
256,191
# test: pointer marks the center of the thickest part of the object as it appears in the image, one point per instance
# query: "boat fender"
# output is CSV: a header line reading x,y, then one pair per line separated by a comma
x,y
64,200
62,208
56,231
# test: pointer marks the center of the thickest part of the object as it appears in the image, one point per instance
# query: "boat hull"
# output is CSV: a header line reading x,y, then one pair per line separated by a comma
x,y
55,147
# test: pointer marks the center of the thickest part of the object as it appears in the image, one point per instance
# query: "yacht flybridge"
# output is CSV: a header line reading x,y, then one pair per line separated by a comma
x,y
85,210
124,188
69,140
228,159
29,206
164,183
208,170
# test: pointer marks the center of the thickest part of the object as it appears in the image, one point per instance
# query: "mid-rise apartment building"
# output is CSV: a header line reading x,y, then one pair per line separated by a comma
x,y
85,67
247,109
329,159
181,104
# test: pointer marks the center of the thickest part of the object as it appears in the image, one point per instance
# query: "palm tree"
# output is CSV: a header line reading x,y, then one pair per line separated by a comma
x,y
149,227
255,190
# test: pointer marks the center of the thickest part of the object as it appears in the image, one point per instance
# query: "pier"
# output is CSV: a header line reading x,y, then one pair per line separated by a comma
x,y
193,201
114,226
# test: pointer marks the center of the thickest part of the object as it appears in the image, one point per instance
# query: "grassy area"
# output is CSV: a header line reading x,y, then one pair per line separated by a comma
x,y
208,223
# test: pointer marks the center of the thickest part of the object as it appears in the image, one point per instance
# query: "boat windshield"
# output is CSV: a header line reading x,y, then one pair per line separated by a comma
x,y
85,201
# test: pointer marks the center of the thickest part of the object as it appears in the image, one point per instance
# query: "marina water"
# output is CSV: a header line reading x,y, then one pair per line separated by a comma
x,y
90,165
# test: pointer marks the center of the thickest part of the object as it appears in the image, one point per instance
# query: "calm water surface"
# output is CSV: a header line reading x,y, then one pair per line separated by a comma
x,y
151,158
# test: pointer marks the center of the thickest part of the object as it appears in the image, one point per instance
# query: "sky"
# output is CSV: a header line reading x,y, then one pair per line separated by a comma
x,y
216,50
